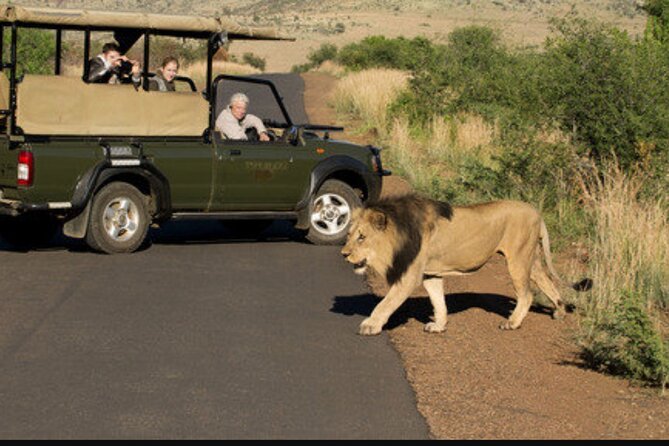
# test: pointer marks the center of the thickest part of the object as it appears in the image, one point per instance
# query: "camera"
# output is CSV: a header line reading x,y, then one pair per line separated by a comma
x,y
125,67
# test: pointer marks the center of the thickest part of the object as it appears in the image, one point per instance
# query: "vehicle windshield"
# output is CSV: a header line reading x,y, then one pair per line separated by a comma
x,y
262,102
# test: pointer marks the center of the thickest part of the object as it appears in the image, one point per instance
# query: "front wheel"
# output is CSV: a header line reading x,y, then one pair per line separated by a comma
x,y
330,213
119,219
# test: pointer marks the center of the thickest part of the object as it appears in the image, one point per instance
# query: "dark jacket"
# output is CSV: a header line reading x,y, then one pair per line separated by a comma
x,y
99,74
158,83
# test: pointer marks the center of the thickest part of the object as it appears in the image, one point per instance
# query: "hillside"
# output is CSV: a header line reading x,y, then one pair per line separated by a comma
x,y
521,22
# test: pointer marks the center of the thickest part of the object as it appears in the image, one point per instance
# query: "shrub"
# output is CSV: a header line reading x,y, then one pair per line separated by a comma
x,y
380,52
255,61
326,51
610,92
626,342
36,51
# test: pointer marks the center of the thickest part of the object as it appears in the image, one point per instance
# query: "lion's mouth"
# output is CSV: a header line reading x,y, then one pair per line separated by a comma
x,y
360,267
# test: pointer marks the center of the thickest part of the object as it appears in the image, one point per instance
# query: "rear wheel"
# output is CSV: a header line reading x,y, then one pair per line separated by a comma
x,y
119,219
330,214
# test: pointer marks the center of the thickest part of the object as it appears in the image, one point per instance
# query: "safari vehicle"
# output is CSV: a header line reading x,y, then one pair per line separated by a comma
x,y
104,162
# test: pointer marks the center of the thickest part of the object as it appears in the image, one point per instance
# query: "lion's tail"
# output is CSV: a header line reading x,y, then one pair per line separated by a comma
x,y
582,285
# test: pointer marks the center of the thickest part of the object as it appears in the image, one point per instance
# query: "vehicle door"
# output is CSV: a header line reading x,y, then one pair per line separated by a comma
x,y
187,163
256,175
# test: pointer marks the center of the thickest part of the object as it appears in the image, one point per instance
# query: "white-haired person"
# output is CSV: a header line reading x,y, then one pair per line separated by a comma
x,y
234,122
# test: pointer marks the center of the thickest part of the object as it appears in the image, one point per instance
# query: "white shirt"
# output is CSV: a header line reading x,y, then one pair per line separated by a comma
x,y
232,128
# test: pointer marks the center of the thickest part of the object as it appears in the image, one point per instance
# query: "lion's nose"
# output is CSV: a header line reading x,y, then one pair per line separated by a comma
x,y
345,254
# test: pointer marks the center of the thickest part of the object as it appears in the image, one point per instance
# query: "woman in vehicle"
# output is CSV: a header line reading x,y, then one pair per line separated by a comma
x,y
164,79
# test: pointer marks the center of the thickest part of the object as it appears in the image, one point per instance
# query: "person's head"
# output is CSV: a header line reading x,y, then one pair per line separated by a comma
x,y
239,103
112,53
170,68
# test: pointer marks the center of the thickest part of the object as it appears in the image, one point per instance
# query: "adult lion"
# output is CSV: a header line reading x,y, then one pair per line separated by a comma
x,y
412,239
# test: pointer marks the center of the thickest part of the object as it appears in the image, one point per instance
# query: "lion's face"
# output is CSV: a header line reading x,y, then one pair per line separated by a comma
x,y
367,238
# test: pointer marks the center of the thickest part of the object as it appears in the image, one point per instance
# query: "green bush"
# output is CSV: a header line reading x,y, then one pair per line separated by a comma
x,y
255,61
36,51
326,51
608,91
627,343
381,52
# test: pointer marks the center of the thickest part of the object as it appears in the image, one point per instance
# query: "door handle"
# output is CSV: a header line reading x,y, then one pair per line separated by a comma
x,y
235,152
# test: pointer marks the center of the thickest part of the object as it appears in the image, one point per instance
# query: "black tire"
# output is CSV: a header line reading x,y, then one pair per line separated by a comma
x,y
29,231
119,219
330,213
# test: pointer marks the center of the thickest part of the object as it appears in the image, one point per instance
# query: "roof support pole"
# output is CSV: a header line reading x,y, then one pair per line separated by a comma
x,y
2,46
87,54
12,81
145,68
211,49
59,49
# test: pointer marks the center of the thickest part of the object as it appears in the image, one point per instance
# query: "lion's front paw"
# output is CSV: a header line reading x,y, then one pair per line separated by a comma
x,y
433,327
369,328
507,325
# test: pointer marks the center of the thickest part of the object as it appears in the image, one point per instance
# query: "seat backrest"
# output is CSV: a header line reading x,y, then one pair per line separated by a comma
x,y
58,105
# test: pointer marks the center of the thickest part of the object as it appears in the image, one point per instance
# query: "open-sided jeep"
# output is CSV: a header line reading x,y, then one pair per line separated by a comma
x,y
104,162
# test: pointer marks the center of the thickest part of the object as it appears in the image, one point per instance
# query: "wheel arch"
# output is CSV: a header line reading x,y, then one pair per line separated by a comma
x,y
146,178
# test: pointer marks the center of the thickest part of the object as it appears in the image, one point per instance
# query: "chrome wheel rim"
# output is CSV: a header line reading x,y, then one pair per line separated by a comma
x,y
121,219
330,214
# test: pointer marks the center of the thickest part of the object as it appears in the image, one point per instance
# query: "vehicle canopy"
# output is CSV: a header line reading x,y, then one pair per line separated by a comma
x,y
57,105
180,26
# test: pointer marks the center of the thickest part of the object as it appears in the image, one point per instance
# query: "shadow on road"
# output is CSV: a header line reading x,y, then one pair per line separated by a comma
x,y
420,308
181,233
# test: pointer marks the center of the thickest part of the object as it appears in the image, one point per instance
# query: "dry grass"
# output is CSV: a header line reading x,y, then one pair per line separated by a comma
x,y
366,95
631,241
331,68
428,156
198,70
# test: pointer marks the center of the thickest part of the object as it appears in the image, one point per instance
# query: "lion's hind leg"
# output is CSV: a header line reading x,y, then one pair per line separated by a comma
x,y
546,285
435,289
519,270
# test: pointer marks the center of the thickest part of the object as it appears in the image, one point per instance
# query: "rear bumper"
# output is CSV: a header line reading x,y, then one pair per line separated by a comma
x,y
13,208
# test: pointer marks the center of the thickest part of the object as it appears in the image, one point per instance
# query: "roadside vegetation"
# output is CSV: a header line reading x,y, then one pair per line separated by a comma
x,y
580,129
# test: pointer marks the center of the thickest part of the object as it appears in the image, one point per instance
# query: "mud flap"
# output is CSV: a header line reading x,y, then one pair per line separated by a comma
x,y
76,228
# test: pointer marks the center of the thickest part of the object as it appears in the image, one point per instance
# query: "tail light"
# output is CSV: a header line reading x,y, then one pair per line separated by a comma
x,y
26,169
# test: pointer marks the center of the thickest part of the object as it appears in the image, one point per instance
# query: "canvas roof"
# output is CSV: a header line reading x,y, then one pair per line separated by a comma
x,y
111,20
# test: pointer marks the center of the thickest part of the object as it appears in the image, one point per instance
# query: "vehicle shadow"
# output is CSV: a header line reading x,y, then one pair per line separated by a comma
x,y
420,308
185,232
217,231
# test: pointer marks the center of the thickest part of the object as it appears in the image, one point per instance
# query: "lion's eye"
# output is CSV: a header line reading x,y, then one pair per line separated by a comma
x,y
361,238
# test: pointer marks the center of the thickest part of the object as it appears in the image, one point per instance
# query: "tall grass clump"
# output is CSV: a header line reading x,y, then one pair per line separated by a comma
x,y
623,315
366,95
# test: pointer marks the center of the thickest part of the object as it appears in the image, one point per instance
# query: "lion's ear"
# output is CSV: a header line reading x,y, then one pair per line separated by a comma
x,y
379,220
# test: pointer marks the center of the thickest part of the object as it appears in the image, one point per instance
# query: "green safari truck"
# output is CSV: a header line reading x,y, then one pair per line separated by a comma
x,y
103,162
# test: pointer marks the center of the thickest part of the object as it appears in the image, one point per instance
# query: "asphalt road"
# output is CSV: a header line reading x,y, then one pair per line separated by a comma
x,y
199,336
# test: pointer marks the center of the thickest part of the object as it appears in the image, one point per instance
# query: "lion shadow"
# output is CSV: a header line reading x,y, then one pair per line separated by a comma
x,y
420,308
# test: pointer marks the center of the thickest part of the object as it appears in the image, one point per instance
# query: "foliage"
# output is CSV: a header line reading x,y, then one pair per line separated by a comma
x,y
609,91
380,52
627,343
36,51
255,61
326,51
657,26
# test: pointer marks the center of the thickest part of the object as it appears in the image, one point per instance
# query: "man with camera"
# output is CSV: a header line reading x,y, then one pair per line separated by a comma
x,y
111,67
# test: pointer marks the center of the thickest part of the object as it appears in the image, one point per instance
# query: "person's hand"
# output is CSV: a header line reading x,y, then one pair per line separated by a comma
x,y
264,136
136,69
